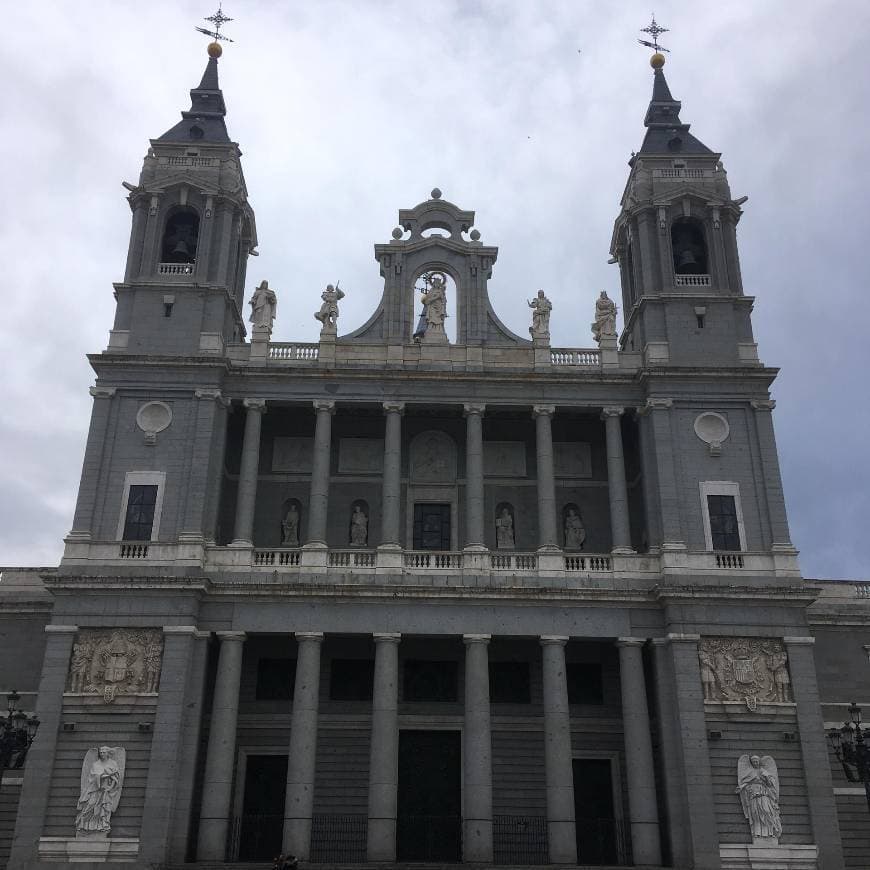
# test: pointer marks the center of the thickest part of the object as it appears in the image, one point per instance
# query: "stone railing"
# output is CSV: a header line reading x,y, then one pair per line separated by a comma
x,y
566,356
277,558
588,563
191,161
729,560
177,269
352,559
513,561
862,590
692,281
682,173
436,559
302,351
133,551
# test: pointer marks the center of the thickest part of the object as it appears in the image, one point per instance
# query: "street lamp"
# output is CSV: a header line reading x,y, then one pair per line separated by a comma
x,y
16,734
852,749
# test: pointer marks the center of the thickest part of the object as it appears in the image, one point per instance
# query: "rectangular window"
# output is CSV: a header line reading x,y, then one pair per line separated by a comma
x,y
430,681
722,516
351,679
139,520
276,679
509,683
585,683
431,526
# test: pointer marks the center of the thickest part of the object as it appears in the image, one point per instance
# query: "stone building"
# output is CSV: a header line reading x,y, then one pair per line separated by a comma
x,y
393,598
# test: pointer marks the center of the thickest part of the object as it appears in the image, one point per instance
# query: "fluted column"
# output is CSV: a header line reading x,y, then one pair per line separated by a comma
x,y
299,800
617,490
220,757
642,803
384,754
477,752
250,466
474,477
392,496
547,539
318,500
561,830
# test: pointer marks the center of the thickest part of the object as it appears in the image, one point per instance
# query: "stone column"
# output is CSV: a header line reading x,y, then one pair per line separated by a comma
x,y
214,815
477,753
642,805
299,800
392,484
547,539
814,751
202,466
779,533
561,830
474,477
667,505
318,500
40,759
384,754
617,490
246,498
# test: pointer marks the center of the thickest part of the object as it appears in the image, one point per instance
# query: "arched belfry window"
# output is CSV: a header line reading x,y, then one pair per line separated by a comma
x,y
180,236
689,247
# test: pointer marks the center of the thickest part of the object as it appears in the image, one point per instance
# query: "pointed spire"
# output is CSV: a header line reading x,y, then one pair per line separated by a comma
x,y
204,122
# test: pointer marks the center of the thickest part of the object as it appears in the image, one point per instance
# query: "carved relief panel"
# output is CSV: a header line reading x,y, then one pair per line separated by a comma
x,y
115,661
748,669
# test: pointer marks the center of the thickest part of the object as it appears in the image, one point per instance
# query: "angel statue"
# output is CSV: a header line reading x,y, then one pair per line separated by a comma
x,y
101,784
758,787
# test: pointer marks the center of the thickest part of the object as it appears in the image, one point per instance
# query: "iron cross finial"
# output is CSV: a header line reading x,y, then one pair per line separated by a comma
x,y
654,30
217,21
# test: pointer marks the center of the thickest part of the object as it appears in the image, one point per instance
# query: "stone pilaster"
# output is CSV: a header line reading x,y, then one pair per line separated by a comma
x,y
561,830
384,754
617,490
474,476
779,533
214,817
392,484
547,539
477,753
642,805
318,502
250,466
299,800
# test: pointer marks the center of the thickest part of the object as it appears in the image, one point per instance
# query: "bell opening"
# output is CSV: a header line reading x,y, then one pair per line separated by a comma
x,y
180,237
689,247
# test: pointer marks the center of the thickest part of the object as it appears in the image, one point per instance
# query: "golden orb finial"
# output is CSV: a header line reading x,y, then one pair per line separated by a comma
x,y
657,61
214,50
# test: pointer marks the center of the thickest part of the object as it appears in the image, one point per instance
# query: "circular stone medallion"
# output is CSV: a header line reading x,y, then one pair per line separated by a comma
x,y
711,428
154,417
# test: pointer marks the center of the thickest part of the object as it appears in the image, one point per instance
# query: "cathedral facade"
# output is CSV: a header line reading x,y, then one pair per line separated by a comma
x,y
397,596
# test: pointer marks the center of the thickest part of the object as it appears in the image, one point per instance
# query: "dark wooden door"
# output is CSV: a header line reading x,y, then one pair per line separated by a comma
x,y
597,832
431,526
430,803
262,823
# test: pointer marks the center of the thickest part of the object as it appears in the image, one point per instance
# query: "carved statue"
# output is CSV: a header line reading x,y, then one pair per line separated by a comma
x,y
80,665
434,301
541,308
605,318
708,675
115,661
290,528
504,530
152,666
359,527
264,306
101,784
575,533
758,787
777,661
328,314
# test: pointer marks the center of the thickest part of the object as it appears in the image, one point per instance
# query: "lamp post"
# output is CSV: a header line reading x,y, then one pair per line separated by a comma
x,y
16,734
850,744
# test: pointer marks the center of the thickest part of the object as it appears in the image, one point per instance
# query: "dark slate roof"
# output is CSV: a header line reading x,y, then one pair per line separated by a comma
x,y
204,122
666,134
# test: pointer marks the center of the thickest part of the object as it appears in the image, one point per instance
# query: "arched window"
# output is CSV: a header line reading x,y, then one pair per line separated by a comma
x,y
689,247
180,237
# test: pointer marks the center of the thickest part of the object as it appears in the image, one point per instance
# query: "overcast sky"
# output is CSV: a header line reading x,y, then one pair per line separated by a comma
x,y
522,110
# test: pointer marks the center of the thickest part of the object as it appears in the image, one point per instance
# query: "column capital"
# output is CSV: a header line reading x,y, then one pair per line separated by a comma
x,y
763,404
630,641
237,636
473,408
102,392
612,411
476,638
394,407
543,410
326,405
180,629
679,637
656,404
553,640
61,629
255,405
386,636
213,395
316,636
798,641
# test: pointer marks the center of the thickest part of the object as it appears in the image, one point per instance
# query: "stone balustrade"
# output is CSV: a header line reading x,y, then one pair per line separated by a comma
x,y
693,281
566,356
294,351
175,270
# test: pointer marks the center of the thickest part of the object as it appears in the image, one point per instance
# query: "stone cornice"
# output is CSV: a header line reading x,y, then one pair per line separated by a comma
x,y
795,596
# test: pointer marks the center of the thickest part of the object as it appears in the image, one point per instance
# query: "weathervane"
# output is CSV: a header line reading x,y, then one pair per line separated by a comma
x,y
217,20
654,31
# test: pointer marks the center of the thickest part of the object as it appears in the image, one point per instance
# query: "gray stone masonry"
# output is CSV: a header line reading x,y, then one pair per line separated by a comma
x,y
248,473
318,502
619,522
391,497
474,536
477,753
547,538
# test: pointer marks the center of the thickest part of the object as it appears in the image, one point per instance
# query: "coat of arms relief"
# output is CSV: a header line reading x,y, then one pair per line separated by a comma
x,y
115,661
752,670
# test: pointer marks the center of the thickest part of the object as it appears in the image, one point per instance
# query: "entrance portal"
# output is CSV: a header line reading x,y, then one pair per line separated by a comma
x,y
598,837
429,823
261,826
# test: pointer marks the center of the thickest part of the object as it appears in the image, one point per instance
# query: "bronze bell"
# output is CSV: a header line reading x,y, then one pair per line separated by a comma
x,y
181,249
687,259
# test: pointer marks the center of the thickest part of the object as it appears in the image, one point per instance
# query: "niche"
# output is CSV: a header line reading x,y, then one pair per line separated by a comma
x,y
505,538
689,247
291,522
572,527
181,236
358,526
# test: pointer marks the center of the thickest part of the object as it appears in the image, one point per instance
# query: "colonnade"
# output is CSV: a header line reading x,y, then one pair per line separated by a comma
x,y
548,539
383,759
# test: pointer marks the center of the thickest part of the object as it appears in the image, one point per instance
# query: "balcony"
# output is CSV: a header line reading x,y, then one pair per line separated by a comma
x,y
693,281
176,271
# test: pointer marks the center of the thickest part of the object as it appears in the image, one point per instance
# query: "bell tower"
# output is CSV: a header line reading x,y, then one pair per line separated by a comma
x,y
193,231
675,241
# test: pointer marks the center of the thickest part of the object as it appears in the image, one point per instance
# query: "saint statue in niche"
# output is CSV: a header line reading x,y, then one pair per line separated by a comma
x,y
434,299
359,527
504,530
758,787
101,783
290,527
575,533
